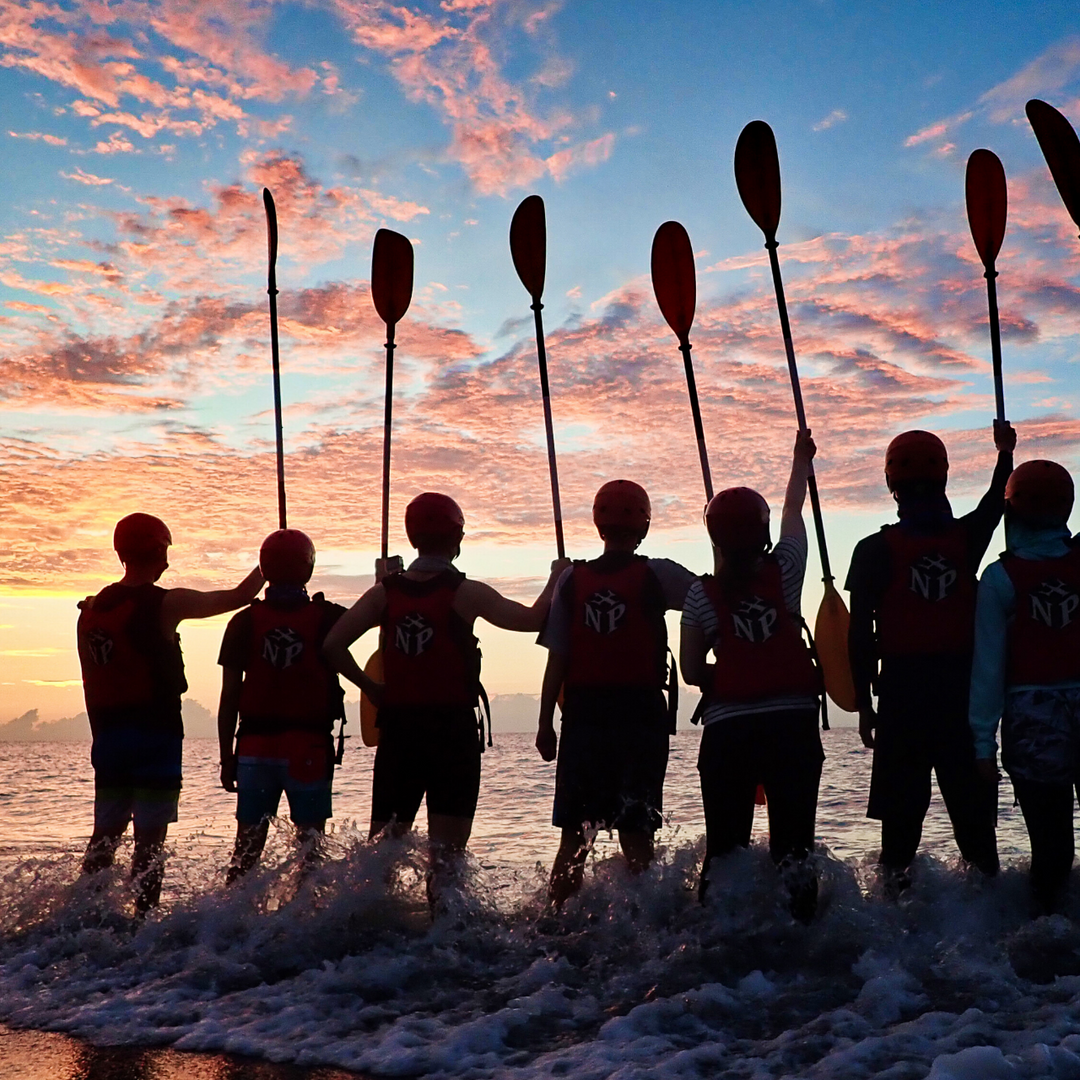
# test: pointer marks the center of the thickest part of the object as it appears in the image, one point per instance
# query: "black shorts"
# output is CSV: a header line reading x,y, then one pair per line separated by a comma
x,y
613,754
426,751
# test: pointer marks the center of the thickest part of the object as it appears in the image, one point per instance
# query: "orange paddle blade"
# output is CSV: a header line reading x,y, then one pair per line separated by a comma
x,y
369,711
528,244
987,204
673,277
757,175
1061,148
831,639
391,275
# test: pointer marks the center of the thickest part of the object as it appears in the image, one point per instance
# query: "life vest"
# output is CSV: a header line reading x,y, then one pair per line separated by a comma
x,y
760,652
430,656
1044,638
131,671
617,632
929,603
287,684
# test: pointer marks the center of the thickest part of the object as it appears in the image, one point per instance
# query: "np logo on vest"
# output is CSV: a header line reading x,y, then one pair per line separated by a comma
x,y
282,647
413,634
1054,604
933,577
101,647
754,620
604,611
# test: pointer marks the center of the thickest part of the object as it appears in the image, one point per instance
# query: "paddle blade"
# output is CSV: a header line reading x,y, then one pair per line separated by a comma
x,y
369,711
391,275
757,175
673,277
1061,148
987,204
831,639
528,244
271,227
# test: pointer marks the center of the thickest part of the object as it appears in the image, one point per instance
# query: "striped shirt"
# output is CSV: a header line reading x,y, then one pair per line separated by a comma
x,y
699,613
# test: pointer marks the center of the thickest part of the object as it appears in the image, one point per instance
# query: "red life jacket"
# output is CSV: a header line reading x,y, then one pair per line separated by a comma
x,y
1044,638
430,657
131,672
929,603
287,684
617,632
760,652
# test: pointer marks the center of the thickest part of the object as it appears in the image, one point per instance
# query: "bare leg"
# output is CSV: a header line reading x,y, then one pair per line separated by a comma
x,y
638,849
148,867
568,870
250,841
101,851
448,837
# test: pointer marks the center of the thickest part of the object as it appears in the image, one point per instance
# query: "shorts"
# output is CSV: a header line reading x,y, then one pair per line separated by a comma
x,y
137,777
426,751
1040,735
613,754
300,763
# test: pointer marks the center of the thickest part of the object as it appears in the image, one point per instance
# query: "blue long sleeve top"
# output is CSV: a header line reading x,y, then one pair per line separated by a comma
x,y
994,610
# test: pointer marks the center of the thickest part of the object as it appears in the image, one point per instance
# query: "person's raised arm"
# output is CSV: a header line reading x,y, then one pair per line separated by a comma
x,y
554,677
232,680
791,519
366,613
181,604
477,600
983,520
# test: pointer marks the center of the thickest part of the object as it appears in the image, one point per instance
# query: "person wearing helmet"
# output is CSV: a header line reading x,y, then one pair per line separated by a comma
x,y
912,590
276,681
762,694
607,652
428,740
1026,668
133,679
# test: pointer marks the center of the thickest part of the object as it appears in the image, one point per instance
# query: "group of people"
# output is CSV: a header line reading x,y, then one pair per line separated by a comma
x,y
946,657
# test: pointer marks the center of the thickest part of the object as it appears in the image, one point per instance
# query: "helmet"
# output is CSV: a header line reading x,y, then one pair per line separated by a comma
x,y
738,521
622,503
432,517
141,536
916,455
1040,492
287,557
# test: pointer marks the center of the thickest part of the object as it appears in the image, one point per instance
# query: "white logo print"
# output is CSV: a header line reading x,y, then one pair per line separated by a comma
x,y
754,621
604,611
282,647
933,577
413,634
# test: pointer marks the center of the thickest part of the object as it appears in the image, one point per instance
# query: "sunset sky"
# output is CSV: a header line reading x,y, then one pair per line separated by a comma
x,y
133,321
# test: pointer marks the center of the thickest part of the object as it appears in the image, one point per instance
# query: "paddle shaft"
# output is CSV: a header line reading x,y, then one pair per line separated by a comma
x,y
541,357
995,339
800,412
271,291
695,408
388,408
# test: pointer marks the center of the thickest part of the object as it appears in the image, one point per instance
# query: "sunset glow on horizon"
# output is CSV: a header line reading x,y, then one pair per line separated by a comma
x,y
134,337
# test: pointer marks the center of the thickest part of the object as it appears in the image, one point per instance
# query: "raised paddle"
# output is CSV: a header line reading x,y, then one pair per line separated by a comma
x,y
271,291
675,285
757,175
987,209
1061,148
528,248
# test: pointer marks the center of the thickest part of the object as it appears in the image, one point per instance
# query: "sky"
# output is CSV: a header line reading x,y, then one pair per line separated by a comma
x,y
134,334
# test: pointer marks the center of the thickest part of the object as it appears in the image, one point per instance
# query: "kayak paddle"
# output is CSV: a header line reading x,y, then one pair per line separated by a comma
x,y
1061,148
271,291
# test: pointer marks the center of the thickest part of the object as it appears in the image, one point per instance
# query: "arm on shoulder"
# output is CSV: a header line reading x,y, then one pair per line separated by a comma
x,y
475,599
181,604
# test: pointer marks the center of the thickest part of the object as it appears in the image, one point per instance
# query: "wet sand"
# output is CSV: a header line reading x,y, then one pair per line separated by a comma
x,y
46,1055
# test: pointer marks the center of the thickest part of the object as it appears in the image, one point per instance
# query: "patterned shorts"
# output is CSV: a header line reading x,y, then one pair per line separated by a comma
x,y
1040,735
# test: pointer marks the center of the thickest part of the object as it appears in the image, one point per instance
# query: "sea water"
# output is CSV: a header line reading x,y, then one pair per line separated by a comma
x,y
634,979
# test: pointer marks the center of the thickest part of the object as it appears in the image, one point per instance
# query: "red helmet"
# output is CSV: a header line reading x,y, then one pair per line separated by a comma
x,y
1040,492
433,518
287,557
916,455
738,521
141,536
622,502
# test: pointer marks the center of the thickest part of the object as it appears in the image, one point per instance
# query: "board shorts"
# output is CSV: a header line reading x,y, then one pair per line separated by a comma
x,y
1040,735
613,754
298,763
432,751
137,778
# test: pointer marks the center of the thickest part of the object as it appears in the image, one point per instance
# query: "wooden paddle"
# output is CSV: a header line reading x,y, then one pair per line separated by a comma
x,y
757,175
987,209
271,291
528,248
1061,148
675,284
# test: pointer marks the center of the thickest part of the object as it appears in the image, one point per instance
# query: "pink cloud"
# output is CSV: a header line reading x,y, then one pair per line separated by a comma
x,y
87,178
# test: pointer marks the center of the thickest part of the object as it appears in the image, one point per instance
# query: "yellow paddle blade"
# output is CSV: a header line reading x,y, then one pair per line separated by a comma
x,y
831,638
369,711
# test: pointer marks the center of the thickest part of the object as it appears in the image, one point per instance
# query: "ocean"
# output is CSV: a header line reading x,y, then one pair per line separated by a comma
x,y
281,977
